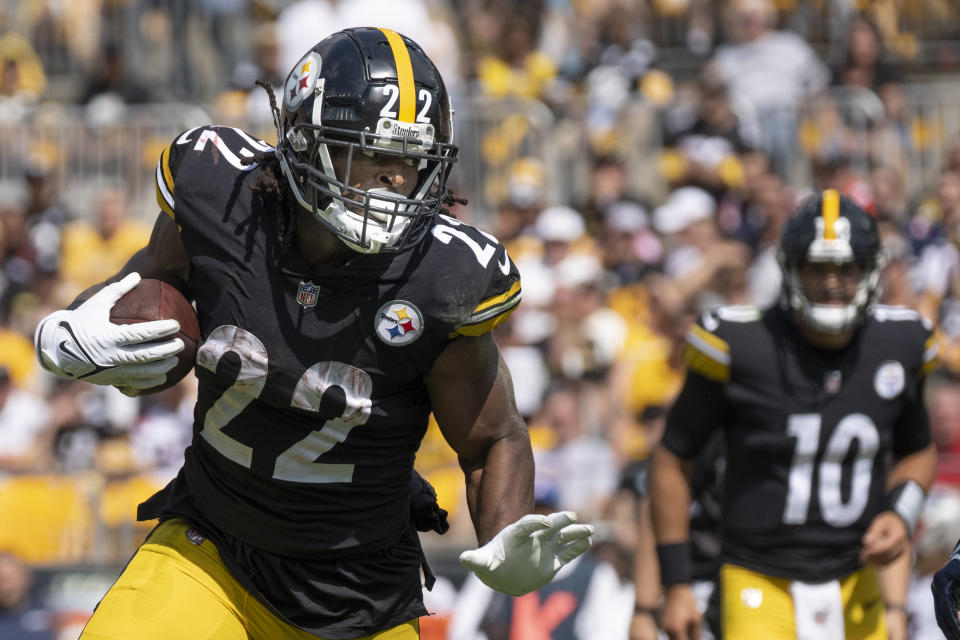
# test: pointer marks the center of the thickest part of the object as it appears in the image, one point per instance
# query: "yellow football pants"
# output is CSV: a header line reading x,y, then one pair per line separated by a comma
x,y
173,589
754,605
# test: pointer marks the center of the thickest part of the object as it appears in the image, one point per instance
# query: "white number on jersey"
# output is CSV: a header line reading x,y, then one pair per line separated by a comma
x,y
211,135
805,427
445,232
298,463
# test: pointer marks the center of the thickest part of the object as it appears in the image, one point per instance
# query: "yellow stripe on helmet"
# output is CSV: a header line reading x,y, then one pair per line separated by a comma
x,y
401,58
830,209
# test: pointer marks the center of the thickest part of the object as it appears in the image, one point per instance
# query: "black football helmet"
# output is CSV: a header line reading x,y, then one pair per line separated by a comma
x,y
370,91
830,228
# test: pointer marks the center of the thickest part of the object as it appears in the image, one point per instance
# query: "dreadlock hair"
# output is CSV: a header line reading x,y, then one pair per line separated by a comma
x,y
451,199
267,181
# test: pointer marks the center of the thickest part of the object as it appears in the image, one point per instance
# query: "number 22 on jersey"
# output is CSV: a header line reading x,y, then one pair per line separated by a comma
x,y
297,463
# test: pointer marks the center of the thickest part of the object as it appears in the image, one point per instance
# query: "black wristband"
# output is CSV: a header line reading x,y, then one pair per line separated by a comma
x,y
674,563
639,609
889,606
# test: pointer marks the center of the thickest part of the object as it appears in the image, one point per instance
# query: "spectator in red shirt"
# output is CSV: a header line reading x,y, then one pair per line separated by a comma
x,y
943,405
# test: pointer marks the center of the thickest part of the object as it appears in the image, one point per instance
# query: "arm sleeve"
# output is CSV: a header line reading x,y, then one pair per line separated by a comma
x,y
702,403
700,408
500,297
912,430
166,173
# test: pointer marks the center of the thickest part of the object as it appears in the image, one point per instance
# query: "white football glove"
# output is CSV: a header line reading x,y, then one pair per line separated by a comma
x,y
526,555
84,345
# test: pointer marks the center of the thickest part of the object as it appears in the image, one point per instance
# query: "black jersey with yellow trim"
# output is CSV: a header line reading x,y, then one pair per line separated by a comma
x,y
808,432
311,399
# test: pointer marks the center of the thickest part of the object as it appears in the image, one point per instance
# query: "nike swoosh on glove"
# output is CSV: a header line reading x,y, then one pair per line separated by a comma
x,y
84,345
946,596
526,555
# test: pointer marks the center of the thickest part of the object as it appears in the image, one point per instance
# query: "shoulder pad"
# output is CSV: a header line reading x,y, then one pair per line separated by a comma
x,y
915,324
891,313
232,145
494,289
707,353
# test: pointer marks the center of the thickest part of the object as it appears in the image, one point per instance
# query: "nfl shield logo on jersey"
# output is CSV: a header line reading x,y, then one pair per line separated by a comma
x,y
832,380
307,295
398,322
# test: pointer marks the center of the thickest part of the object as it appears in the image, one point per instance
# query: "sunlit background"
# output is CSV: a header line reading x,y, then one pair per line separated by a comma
x,y
637,157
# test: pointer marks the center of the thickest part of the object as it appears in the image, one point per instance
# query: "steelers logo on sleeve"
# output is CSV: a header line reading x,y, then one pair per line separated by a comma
x,y
398,322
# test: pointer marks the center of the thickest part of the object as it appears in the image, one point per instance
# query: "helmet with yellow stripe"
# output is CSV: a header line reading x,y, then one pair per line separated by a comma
x,y
374,92
831,258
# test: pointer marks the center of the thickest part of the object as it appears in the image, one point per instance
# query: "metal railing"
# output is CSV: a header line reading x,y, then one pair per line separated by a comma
x,y
912,136
86,150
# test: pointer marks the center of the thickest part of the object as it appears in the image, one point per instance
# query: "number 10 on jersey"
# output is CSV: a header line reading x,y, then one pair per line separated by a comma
x,y
805,427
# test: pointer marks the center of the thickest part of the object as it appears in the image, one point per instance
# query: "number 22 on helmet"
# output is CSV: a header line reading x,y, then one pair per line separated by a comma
x,y
373,92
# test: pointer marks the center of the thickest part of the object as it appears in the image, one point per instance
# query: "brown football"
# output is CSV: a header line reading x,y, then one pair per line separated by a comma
x,y
157,300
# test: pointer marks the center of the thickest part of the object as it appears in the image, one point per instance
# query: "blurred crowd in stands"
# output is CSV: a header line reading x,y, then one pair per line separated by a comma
x,y
637,157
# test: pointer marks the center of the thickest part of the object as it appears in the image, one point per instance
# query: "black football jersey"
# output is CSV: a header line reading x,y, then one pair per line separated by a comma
x,y
311,397
809,434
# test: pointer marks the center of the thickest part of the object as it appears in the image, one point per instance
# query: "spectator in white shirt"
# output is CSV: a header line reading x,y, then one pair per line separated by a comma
x,y
773,72
24,426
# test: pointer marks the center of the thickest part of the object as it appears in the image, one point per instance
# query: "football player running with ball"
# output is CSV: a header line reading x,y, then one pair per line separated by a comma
x,y
339,306
829,455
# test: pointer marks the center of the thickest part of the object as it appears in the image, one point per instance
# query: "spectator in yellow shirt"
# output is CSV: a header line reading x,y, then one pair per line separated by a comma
x,y
516,68
93,252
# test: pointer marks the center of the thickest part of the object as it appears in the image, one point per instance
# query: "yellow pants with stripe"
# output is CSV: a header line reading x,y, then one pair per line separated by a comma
x,y
173,588
755,606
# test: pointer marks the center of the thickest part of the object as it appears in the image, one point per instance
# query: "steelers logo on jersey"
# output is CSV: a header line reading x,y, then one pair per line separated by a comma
x,y
889,379
302,79
398,322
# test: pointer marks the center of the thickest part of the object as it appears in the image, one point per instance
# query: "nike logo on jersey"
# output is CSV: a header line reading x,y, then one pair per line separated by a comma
x,y
504,264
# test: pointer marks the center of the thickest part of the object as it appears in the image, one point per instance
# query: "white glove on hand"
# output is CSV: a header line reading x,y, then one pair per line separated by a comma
x,y
84,345
526,555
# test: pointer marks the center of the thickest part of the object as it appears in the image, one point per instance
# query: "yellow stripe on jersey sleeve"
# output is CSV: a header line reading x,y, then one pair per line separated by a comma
x,y
931,348
164,183
489,303
491,312
707,354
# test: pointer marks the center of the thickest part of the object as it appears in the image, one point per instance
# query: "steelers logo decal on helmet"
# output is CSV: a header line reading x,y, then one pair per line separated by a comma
x,y
384,100
889,379
398,322
302,79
